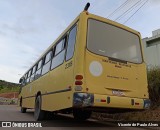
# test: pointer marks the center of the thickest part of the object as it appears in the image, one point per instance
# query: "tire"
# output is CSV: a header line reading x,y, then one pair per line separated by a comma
x,y
49,115
38,113
81,114
23,109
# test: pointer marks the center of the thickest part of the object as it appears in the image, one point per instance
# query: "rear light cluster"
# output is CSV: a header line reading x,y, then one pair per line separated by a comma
x,y
78,82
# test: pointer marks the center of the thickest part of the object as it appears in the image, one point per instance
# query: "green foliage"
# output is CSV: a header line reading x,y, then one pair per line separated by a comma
x,y
9,89
154,84
1,87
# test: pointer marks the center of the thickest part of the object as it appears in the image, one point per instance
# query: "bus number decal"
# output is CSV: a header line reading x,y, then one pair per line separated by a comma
x,y
68,65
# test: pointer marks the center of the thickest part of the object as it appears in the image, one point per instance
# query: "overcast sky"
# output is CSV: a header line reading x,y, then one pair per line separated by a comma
x,y
28,27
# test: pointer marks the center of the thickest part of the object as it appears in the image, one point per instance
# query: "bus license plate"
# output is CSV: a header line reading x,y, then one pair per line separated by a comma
x,y
118,93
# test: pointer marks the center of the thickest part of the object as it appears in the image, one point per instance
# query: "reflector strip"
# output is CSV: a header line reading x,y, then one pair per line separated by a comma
x,y
136,103
103,100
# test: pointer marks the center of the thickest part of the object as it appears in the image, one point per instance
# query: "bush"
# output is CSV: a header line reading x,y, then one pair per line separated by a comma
x,y
1,87
153,75
9,89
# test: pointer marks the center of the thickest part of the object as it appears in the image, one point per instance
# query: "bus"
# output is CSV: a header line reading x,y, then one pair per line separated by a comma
x,y
96,64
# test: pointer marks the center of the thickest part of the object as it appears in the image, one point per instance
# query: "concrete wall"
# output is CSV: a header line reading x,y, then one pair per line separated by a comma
x,y
152,50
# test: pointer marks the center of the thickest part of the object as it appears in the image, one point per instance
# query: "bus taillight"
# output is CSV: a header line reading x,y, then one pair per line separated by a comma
x,y
79,77
78,82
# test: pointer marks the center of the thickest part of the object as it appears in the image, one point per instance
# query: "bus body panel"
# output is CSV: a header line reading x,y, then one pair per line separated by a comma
x,y
129,79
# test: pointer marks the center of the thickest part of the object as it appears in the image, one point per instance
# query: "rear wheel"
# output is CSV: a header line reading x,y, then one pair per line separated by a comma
x,y
81,114
38,113
23,109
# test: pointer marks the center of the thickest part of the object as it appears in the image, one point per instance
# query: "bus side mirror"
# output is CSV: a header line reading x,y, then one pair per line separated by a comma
x,y
21,80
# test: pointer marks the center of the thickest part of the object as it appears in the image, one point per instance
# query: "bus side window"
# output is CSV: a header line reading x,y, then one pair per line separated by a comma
x,y
71,43
59,54
29,74
39,68
60,46
47,63
25,78
33,73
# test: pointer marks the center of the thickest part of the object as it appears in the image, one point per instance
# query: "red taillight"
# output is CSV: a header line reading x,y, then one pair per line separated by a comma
x,y
78,82
79,77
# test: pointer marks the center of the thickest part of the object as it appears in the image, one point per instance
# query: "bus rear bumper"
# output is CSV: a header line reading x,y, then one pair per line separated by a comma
x,y
97,100
120,102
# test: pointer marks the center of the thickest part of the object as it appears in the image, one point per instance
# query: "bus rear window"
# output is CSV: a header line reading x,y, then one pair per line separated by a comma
x,y
110,41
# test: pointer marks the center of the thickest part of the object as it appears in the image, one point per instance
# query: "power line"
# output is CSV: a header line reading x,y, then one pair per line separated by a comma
x,y
121,6
129,10
136,11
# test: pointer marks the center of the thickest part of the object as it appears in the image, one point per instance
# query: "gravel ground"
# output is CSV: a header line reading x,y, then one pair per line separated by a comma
x,y
147,115
8,101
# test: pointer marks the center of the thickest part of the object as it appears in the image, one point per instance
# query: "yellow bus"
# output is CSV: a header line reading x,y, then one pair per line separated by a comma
x,y
95,65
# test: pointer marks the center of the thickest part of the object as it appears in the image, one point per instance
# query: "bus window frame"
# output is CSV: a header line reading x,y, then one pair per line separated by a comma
x,y
44,61
64,46
41,64
29,75
53,49
33,72
65,38
50,56
140,44
35,69
75,25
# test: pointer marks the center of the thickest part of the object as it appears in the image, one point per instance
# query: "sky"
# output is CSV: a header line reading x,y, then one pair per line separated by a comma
x,y
28,27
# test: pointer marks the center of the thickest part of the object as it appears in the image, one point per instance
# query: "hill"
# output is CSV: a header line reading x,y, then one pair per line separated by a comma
x,y
8,87
8,84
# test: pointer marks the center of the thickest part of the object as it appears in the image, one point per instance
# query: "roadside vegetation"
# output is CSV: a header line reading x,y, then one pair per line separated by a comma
x,y
8,92
6,87
153,75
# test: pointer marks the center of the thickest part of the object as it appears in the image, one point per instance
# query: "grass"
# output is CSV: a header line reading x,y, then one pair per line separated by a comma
x,y
4,89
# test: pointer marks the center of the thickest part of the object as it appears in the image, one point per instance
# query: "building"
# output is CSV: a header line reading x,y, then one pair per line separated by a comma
x,y
152,49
